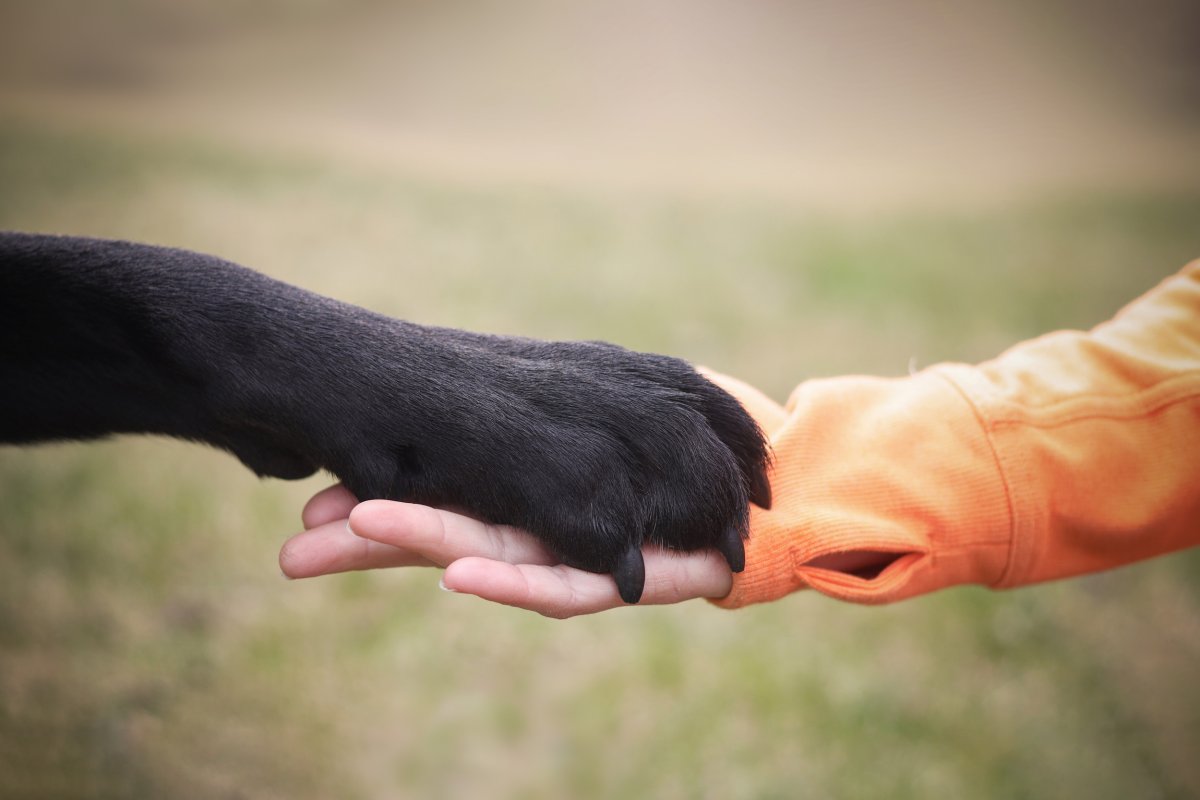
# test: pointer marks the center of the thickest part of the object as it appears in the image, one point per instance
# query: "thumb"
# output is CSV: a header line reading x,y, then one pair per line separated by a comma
x,y
769,415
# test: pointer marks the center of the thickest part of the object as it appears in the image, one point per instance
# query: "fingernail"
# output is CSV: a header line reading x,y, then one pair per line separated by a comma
x,y
351,530
285,576
442,585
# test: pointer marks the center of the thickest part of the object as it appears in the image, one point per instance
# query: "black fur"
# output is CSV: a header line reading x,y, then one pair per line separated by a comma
x,y
593,448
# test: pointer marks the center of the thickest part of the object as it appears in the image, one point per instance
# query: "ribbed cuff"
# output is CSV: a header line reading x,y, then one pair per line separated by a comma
x,y
900,466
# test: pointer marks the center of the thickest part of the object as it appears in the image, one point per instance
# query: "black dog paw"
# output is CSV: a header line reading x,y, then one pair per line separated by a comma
x,y
594,449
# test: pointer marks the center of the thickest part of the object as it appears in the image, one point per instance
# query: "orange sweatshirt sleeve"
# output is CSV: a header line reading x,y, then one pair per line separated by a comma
x,y
1071,453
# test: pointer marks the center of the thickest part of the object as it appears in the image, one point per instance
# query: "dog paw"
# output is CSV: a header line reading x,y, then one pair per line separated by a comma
x,y
594,449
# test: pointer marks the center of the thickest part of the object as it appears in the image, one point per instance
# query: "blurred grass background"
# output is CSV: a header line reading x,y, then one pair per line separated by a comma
x,y
824,198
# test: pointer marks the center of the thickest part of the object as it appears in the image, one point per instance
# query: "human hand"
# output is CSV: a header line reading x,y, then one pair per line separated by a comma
x,y
594,449
495,562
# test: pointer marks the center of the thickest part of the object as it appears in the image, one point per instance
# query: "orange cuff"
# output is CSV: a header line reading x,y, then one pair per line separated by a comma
x,y
1071,453
898,466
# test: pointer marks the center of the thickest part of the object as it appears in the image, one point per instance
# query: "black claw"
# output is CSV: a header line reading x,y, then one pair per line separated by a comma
x,y
731,546
630,574
760,489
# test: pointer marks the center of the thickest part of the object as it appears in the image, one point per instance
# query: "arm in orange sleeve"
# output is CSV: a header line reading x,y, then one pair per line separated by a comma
x,y
1071,453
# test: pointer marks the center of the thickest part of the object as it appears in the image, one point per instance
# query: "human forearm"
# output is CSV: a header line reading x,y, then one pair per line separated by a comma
x,y
1070,453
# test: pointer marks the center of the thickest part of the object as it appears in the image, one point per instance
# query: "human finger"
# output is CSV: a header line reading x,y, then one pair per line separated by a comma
x,y
769,415
444,536
327,505
559,591
332,547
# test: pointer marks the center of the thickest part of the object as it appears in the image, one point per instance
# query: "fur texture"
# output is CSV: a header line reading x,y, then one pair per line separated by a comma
x,y
593,448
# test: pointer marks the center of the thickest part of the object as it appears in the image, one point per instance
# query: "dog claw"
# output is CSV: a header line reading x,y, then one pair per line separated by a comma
x,y
730,545
760,489
630,574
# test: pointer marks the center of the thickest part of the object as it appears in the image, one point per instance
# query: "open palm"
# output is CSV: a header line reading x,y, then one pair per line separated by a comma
x,y
495,562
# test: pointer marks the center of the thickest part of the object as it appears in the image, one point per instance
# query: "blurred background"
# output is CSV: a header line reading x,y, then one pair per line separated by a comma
x,y
778,190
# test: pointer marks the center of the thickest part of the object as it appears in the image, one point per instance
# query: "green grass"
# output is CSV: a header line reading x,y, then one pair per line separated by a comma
x,y
148,646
